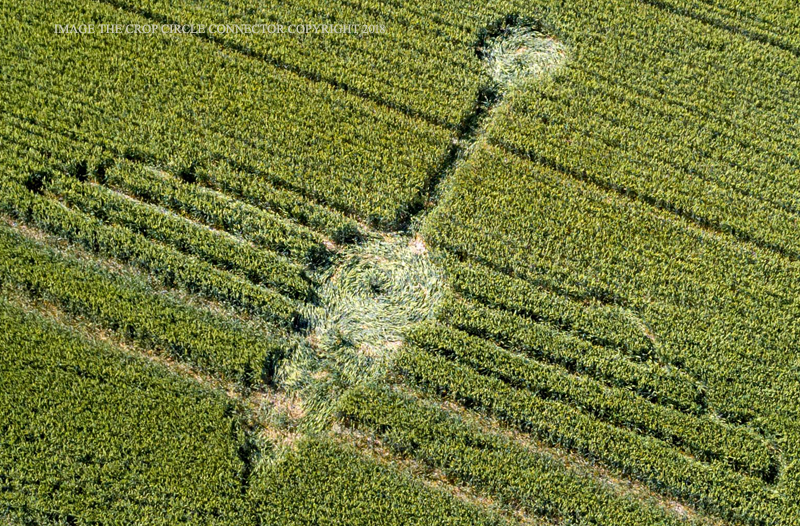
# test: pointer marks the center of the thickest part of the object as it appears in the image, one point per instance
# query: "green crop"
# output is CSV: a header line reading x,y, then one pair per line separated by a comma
x,y
211,342
92,435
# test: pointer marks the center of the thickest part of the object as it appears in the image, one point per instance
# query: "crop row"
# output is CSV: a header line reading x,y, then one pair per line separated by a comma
x,y
216,247
218,211
640,128
765,22
305,136
701,437
410,42
651,380
28,148
432,42
709,486
209,341
35,157
602,324
508,470
596,151
94,435
426,42
63,151
665,270
678,51
323,482
79,416
715,137
171,267
261,194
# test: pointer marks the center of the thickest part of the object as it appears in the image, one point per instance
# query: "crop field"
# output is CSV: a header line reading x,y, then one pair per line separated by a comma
x,y
377,262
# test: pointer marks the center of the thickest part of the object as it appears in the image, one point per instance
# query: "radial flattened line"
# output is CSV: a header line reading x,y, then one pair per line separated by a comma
x,y
381,288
